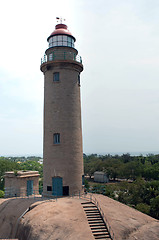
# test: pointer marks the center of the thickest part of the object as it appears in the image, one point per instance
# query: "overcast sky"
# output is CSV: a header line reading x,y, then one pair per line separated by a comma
x,y
119,44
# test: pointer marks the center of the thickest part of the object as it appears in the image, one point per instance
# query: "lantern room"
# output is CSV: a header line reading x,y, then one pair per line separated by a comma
x,y
61,36
61,46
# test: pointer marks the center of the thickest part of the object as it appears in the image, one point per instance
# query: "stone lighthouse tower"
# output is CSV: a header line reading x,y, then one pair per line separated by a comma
x,y
63,155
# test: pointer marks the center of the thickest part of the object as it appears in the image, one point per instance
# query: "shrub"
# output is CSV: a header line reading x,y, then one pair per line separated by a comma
x,y
1,194
154,203
143,207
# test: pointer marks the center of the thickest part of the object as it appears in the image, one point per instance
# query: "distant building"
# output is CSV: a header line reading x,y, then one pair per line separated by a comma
x,y
100,177
21,183
40,161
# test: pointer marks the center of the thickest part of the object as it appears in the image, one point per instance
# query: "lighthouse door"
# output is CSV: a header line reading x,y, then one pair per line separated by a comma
x,y
57,186
29,187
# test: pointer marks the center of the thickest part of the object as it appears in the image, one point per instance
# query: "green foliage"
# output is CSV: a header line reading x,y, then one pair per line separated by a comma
x,y
143,207
19,163
151,171
125,166
15,172
109,192
32,166
143,171
86,184
1,194
142,195
98,188
154,203
6,165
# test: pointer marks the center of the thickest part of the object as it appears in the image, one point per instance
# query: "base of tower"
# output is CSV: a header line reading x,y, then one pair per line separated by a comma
x,y
66,193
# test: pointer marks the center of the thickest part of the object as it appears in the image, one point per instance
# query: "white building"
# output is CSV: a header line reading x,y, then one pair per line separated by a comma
x,y
100,177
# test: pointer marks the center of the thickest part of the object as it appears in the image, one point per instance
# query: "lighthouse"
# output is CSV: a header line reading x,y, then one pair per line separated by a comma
x,y
62,144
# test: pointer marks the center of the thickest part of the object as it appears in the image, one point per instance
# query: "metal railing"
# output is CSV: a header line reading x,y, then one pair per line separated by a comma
x,y
90,196
22,193
35,194
93,199
104,217
41,198
61,55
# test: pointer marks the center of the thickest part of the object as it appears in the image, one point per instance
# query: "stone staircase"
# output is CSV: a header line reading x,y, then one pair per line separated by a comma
x,y
96,222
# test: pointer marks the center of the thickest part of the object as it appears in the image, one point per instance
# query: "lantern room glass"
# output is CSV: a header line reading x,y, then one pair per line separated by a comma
x,y
61,40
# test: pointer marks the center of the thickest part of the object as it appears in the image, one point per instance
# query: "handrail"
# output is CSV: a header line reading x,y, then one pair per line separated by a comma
x,y
61,55
17,223
22,193
21,216
93,199
88,196
104,217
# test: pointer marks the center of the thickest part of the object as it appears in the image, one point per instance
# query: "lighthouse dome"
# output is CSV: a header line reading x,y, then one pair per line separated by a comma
x,y
61,36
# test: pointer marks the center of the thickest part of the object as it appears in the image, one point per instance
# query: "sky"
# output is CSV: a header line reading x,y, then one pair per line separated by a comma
x,y
118,41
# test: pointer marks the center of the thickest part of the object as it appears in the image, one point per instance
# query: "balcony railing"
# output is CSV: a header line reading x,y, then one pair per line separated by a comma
x,y
61,55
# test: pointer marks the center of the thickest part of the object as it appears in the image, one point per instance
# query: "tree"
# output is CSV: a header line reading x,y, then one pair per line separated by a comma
x,y
126,157
143,207
154,204
6,165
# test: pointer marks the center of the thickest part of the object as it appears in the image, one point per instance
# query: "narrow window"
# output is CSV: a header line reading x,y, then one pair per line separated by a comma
x,y
79,80
82,179
56,77
56,138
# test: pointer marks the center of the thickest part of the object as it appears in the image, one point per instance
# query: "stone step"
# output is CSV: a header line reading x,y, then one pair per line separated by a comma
x,y
87,203
93,214
94,217
95,220
99,228
90,207
104,231
97,225
101,235
91,210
